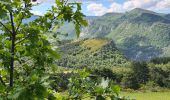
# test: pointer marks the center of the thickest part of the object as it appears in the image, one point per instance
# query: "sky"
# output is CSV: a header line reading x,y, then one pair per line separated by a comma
x,y
101,7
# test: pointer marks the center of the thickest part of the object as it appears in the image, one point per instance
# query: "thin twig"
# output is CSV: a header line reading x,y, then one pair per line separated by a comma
x,y
22,39
5,27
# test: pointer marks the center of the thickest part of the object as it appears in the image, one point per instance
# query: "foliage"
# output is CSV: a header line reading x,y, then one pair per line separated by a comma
x,y
160,74
141,71
107,73
26,55
60,81
160,60
130,81
86,86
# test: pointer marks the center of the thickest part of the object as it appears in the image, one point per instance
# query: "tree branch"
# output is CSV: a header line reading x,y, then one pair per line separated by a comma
x,y
13,36
5,27
22,39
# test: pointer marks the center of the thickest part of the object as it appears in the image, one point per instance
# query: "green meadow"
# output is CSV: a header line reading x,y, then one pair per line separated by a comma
x,y
147,95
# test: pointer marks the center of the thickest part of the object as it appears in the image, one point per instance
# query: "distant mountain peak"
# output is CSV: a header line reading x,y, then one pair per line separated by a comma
x,y
140,10
112,14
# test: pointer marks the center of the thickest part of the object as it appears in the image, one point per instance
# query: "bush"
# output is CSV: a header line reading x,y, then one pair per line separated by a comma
x,y
108,73
104,72
60,81
82,85
151,86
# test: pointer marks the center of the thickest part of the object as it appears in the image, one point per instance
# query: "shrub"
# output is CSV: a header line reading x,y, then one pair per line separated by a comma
x,y
151,86
83,87
108,73
60,81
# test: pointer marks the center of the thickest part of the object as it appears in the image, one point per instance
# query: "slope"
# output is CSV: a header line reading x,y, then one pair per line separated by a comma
x,y
90,53
140,34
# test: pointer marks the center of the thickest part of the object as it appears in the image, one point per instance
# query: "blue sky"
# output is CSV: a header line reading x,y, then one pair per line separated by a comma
x,y
100,7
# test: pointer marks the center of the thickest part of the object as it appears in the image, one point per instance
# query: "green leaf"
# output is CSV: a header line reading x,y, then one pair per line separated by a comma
x,y
54,54
99,90
34,77
115,89
84,73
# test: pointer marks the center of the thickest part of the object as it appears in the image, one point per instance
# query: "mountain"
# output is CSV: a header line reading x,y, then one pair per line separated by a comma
x,y
68,29
90,53
140,34
167,16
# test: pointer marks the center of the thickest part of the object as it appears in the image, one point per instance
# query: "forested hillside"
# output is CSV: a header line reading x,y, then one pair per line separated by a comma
x,y
90,53
140,34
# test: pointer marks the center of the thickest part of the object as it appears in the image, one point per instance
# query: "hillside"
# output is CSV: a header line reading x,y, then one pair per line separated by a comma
x,y
140,34
90,53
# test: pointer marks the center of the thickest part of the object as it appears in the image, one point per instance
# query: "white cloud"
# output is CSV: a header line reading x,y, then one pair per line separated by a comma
x,y
97,9
163,4
84,1
37,12
155,5
115,7
131,4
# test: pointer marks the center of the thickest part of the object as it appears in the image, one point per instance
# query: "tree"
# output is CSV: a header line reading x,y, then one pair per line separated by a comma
x,y
141,71
130,81
25,52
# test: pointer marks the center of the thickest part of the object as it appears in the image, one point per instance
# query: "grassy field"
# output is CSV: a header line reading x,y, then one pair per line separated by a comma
x,y
147,95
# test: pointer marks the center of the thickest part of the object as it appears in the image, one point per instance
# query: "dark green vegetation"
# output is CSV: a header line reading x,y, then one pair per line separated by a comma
x,y
143,76
103,59
90,53
140,34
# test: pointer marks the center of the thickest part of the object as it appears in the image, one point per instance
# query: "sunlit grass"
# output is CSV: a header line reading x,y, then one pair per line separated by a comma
x,y
147,95
94,44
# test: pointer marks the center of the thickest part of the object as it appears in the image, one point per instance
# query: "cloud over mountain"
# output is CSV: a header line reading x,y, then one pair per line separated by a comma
x,y
155,5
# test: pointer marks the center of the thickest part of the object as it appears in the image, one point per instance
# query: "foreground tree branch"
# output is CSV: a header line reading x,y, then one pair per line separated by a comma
x,y
5,27
12,49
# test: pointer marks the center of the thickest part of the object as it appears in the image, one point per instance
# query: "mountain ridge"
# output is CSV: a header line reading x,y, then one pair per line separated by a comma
x,y
140,34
